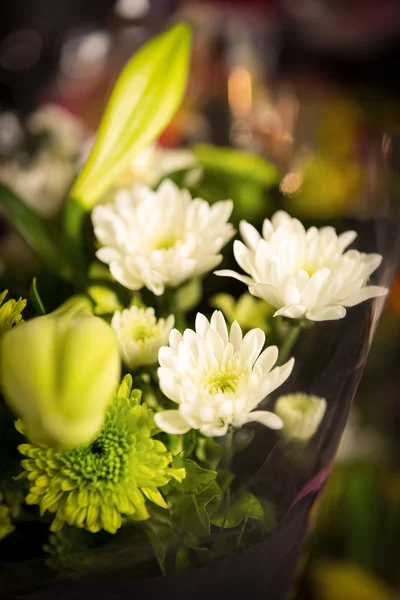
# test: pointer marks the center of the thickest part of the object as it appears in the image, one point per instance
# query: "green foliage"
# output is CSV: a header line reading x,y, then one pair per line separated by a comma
x,y
34,231
229,162
246,506
35,298
192,502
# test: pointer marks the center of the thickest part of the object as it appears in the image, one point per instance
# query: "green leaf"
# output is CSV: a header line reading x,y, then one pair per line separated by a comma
x,y
144,100
36,299
191,513
208,451
33,230
162,539
197,479
246,507
227,161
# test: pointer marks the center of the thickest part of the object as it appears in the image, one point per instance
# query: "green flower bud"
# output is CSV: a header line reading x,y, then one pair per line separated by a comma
x,y
301,415
58,373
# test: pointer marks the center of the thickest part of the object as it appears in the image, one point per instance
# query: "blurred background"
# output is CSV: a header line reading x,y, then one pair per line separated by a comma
x,y
311,85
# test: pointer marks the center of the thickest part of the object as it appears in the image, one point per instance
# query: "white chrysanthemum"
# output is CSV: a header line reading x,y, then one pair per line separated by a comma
x,y
159,239
218,379
141,335
304,273
154,162
301,415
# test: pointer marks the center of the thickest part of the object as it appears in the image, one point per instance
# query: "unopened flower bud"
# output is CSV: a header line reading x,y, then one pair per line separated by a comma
x,y
301,415
58,373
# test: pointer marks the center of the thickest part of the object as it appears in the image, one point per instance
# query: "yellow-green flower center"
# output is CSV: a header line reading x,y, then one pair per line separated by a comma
x,y
141,332
165,242
222,381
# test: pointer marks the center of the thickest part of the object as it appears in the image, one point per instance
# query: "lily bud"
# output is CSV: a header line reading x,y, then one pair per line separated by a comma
x,y
58,373
301,415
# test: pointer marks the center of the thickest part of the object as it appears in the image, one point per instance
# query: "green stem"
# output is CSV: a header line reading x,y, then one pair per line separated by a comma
x,y
73,224
227,450
171,307
288,343
226,462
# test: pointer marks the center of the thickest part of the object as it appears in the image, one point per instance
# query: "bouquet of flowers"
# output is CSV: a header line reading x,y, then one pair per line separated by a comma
x,y
143,412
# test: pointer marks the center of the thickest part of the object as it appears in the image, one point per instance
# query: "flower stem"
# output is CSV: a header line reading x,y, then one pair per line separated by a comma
x,y
288,343
227,450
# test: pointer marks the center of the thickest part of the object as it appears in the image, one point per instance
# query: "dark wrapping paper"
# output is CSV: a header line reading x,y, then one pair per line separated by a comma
x,y
264,571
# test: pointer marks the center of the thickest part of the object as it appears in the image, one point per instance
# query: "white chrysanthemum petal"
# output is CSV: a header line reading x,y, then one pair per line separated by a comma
x,y
169,384
229,273
291,295
313,287
107,255
242,255
125,278
216,379
236,336
266,418
328,313
175,338
346,238
252,345
219,324
212,431
280,374
270,293
202,325
172,422
249,234
296,311
371,291
159,239
304,273
267,359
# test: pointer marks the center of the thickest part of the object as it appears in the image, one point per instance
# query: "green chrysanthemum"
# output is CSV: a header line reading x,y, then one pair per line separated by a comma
x,y
10,312
6,525
92,486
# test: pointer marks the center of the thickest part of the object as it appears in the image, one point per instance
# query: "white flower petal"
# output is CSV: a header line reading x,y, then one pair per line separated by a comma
x,y
230,273
266,418
107,255
242,255
219,324
267,359
269,293
309,297
171,422
124,277
249,234
291,312
236,336
346,238
328,313
291,295
371,291
252,345
214,431
201,325
169,384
